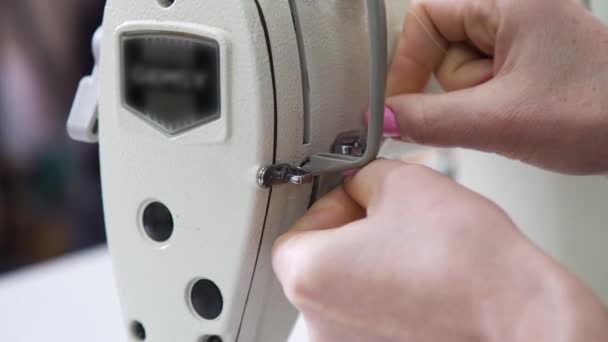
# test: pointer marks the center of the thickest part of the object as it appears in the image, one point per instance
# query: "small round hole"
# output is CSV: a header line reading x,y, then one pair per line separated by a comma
x,y
138,331
158,222
213,338
166,3
206,299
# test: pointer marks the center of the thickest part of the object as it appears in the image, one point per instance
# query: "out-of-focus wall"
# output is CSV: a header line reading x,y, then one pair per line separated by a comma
x,y
50,200
566,216
600,7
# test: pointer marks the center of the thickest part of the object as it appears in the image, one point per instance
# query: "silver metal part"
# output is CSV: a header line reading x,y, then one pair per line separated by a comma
x,y
338,162
284,174
351,144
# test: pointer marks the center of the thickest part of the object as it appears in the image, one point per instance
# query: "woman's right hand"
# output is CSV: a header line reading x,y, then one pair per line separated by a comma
x,y
526,79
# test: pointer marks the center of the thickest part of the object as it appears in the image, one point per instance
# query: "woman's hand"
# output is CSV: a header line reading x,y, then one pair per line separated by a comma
x,y
401,253
525,78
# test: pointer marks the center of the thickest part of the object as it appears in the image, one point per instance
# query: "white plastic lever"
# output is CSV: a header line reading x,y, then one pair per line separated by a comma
x,y
82,122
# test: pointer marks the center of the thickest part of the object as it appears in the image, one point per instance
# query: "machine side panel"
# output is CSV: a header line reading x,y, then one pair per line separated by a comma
x,y
205,176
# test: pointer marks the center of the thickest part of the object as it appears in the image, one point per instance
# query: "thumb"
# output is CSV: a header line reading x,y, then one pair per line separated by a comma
x,y
299,257
480,118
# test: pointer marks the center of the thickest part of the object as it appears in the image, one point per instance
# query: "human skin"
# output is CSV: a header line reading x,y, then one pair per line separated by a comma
x,y
526,79
401,253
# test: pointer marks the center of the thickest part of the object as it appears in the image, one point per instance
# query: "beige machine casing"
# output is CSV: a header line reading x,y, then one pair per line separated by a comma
x,y
281,102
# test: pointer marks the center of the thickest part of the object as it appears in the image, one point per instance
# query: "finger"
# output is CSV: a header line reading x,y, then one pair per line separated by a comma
x,y
368,186
464,67
483,117
302,257
430,27
461,21
334,210
419,51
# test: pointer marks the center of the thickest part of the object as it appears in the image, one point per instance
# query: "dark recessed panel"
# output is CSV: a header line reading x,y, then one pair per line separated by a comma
x,y
172,81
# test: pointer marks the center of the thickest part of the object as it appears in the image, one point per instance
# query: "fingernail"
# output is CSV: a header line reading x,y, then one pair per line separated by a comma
x,y
350,173
391,127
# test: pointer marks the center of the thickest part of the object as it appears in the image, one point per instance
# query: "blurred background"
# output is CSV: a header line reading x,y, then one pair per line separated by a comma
x,y
50,201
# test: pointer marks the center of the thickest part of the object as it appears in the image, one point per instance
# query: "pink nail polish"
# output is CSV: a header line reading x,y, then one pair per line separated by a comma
x,y
391,127
350,173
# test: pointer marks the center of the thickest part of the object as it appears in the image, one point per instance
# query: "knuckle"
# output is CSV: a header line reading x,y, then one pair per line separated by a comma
x,y
477,10
298,269
406,62
417,4
458,215
472,213
445,75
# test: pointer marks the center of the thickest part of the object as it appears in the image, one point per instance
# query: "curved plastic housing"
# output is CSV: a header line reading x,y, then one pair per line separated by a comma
x,y
327,162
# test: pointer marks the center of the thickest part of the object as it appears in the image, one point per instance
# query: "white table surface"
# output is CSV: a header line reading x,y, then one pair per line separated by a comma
x,y
72,299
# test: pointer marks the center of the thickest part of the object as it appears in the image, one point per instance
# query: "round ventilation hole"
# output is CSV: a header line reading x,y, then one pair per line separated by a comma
x,y
138,331
206,299
158,222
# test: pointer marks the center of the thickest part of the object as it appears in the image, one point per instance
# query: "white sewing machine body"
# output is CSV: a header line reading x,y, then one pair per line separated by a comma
x,y
194,99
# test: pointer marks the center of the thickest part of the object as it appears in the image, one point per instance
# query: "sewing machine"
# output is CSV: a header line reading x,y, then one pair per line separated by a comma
x,y
219,123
